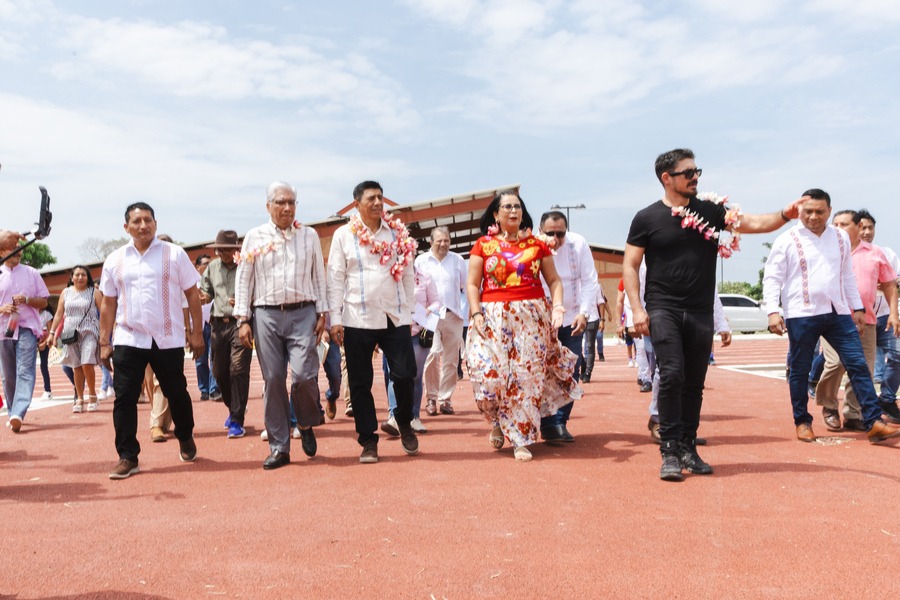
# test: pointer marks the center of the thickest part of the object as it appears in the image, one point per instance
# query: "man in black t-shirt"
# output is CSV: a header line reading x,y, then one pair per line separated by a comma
x,y
679,291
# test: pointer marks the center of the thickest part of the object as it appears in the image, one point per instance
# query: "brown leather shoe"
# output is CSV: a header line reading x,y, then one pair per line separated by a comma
x,y
805,433
157,434
854,425
431,407
653,426
330,409
832,419
447,408
881,431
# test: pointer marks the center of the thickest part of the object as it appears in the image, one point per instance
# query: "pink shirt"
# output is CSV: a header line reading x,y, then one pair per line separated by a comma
x,y
27,281
871,267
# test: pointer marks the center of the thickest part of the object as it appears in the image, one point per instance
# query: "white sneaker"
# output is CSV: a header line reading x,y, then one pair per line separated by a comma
x,y
264,436
418,426
631,363
296,433
101,395
47,396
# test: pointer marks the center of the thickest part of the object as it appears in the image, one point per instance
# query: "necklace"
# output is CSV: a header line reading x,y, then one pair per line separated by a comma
x,y
728,242
263,249
398,252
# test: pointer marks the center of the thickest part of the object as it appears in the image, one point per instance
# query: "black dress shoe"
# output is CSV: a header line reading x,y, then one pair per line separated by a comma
x,y
567,437
854,425
276,460
308,442
554,435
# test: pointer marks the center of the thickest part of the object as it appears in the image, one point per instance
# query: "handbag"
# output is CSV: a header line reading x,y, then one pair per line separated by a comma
x,y
426,338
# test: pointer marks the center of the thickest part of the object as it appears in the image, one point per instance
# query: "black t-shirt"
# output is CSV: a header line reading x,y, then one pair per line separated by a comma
x,y
681,262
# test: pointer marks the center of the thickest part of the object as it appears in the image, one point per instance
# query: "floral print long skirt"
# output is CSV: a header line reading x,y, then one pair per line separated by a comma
x,y
519,370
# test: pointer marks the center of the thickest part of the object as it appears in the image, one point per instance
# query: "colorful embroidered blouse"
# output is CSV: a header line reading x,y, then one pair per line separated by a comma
x,y
512,270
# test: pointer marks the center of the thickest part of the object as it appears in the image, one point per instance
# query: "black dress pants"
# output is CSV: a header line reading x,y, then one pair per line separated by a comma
x,y
396,343
129,364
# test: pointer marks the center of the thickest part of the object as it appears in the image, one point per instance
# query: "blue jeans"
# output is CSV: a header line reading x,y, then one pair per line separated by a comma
x,y
205,380
573,343
840,332
107,378
818,365
332,367
18,364
421,354
891,348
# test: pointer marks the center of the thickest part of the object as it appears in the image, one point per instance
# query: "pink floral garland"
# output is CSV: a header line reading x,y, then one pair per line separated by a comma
x,y
690,219
254,253
400,250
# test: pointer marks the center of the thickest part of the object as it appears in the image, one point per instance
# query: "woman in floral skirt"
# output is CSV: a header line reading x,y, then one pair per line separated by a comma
x,y
519,370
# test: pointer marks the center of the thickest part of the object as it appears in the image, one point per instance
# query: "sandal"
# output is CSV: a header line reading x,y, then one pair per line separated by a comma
x,y
76,408
522,453
92,403
496,437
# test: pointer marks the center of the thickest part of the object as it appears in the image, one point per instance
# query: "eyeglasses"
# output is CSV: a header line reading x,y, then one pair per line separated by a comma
x,y
511,207
688,173
558,234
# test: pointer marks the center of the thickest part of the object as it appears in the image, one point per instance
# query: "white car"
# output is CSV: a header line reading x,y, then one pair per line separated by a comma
x,y
744,314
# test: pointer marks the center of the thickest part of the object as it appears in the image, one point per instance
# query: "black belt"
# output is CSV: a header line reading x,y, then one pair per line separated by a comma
x,y
225,320
283,307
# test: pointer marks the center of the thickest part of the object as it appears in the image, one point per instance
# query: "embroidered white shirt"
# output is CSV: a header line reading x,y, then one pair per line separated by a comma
x,y
575,267
362,292
288,269
809,274
149,290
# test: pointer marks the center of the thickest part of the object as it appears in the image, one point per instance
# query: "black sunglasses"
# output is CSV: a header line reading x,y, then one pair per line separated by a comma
x,y
688,173
559,234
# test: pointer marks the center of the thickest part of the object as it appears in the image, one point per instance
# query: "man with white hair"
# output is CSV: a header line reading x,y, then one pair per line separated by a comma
x,y
448,272
280,302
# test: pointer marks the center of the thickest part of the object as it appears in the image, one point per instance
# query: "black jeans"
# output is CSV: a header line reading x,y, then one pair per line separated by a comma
x,y
230,367
129,364
396,343
682,341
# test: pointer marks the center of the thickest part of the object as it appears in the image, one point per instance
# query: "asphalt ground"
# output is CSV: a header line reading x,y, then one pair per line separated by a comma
x,y
778,519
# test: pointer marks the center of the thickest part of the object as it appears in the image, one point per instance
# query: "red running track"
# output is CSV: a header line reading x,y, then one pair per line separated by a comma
x,y
778,519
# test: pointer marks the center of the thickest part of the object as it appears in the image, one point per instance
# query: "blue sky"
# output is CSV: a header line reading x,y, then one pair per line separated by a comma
x,y
195,106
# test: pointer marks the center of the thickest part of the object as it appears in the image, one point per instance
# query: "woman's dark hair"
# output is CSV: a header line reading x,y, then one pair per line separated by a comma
x,y
487,219
90,277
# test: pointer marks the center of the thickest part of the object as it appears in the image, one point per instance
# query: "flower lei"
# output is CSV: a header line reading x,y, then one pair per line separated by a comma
x,y
727,244
550,241
261,250
399,251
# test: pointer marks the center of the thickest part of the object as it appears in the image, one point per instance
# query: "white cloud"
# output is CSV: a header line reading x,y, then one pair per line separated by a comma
x,y
193,59
862,13
591,62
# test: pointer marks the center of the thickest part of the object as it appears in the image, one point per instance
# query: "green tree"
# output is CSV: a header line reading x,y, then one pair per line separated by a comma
x,y
735,287
757,290
38,255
